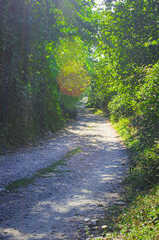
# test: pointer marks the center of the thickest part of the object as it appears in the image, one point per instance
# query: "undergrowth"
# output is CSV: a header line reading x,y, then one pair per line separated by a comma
x,y
137,220
144,153
140,220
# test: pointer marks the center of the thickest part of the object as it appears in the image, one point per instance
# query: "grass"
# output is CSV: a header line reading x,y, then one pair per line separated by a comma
x,y
20,183
24,182
50,169
141,219
137,220
73,152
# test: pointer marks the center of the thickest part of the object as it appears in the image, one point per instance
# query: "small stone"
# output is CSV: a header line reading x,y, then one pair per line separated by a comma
x,y
100,205
98,238
93,223
86,219
104,226
120,203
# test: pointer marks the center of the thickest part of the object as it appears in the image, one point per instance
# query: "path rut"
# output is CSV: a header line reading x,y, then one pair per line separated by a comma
x,y
54,206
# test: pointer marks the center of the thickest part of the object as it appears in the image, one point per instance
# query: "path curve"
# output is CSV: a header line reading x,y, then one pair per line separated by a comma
x,y
55,206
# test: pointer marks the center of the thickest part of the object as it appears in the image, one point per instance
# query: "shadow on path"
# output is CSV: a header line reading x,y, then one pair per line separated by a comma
x,y
54,207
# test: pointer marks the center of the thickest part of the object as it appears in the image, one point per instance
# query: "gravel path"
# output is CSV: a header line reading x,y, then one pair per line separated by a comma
x,y
55,205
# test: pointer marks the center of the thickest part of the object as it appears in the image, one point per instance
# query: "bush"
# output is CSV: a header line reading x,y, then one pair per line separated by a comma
x,y
148,105
122,105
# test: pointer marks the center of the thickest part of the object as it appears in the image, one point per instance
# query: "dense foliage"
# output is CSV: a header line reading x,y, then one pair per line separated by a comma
x,y
30,101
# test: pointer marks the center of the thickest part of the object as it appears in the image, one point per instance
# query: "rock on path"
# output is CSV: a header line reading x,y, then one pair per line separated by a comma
x,y
57,205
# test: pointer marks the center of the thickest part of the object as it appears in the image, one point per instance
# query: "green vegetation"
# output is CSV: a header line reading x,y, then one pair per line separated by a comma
x,y
73,152
50,51
136,220
20,183
143,156
50,169
141,219
43,57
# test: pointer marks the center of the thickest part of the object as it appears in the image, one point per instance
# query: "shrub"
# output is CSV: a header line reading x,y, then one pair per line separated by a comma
x,y
122,105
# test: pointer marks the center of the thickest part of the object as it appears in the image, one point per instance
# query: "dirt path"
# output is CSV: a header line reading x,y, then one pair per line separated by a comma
x,y
56,203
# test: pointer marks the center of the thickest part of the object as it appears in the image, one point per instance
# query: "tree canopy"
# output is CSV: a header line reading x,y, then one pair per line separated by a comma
x,y
32,35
